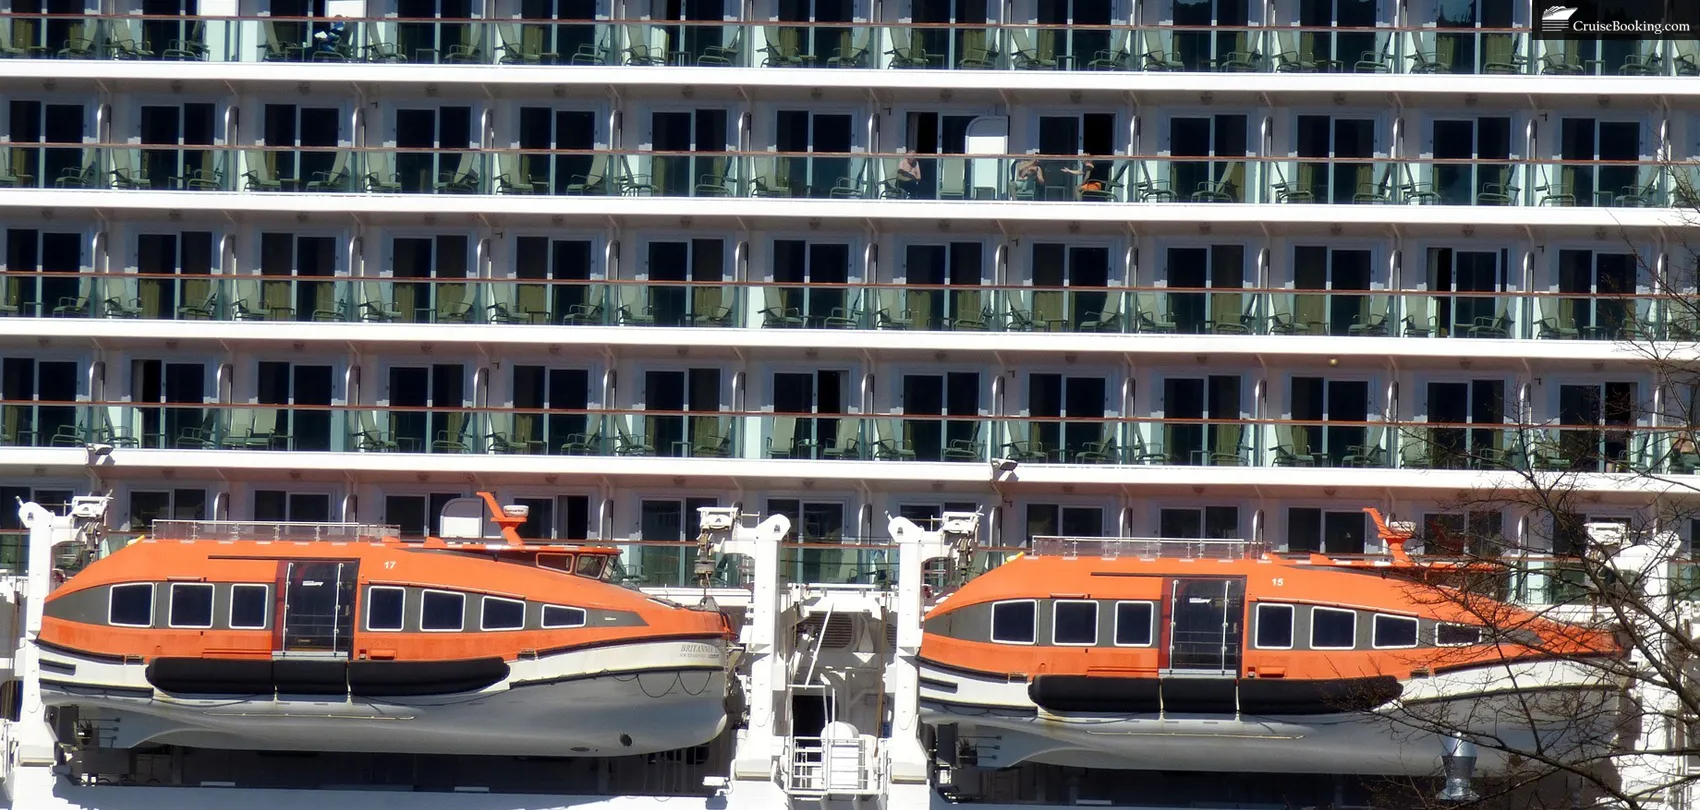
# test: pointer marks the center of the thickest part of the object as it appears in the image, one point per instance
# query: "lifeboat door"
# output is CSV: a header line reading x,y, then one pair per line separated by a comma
x,y
318,607
1206,625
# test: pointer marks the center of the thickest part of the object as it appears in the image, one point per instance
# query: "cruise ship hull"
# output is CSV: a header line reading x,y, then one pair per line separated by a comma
x,y
609,701
1394,738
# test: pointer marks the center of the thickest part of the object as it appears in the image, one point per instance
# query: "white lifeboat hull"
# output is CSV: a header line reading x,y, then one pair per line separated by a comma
x,y
1395,738
637,698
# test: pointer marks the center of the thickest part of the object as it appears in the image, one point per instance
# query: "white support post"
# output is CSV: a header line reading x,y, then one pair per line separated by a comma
x,y
756,747
908,769
33,744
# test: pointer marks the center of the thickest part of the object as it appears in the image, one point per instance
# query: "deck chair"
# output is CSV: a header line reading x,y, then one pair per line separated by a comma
x,y
847,444
124,172
855,54
76,306
1025,56
723,55
893,311
336,179
1558,319
648,46
375,307
369,437
516,50
907,50
595,181
953,178
1149,317
627,445
381,177
634,308
782,441
512,179
452,438
1109,319
1372,319
463,179
775,314
891,444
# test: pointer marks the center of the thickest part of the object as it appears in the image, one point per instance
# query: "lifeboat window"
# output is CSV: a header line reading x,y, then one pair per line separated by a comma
x,y
131,605
556,617
248,606
1274,627
1333,629
442,611
1133,624
383,608
503,614
1013,622
556,562
1457,635
191,605
591,565
1074,623
1394,632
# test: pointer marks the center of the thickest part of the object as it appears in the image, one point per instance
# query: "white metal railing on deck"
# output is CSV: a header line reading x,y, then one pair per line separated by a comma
x,y
268,530
1148,548
831,766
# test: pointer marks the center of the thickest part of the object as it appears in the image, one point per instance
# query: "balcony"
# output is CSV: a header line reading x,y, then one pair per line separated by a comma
x,y
1033,179
895,437
1408,314
1428,50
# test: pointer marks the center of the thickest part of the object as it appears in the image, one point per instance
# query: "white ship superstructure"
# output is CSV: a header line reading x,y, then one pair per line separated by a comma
x,y
1083,268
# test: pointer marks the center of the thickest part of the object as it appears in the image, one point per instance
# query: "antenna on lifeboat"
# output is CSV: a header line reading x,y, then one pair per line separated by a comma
x,y
1395,533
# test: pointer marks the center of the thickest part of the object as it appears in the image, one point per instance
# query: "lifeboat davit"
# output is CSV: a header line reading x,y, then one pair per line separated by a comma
x,y
227,639
1213,656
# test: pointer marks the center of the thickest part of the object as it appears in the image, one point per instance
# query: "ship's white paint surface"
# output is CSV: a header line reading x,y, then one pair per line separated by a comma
x,y
1511,89
126,202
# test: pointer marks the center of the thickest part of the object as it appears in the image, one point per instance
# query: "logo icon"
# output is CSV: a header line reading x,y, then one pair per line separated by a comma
x,y
1557,18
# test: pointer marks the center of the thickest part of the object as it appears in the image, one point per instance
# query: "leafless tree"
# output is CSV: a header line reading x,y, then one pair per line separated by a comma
x,y
1633,741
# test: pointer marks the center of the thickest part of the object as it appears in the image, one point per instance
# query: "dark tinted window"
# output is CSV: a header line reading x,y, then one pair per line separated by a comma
x,y
555,616
248,606
1395,631
503,614
1333,629
1133,624
1012,622
442,611
1457,635
1275,626
1076,623
383,609
191,605
131,605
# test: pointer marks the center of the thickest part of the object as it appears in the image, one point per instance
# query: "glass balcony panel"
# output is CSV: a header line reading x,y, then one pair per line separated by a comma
x,y
168,167
1071,309
676,435
680,304
815,436
1357,313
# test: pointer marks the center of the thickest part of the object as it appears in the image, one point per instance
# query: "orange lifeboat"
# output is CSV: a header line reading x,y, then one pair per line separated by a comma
x,y
242,636
1210,655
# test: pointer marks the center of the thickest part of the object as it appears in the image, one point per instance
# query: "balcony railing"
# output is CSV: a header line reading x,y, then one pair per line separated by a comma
x,y
1554,315
1423,49
895,437
1024,178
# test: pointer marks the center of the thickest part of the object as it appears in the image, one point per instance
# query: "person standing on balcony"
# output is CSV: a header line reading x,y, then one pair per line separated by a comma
x,y
909,177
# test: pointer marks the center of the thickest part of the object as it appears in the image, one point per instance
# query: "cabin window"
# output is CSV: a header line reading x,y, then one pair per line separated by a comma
x,y
1393,632
591,565
383,608
1014,622
556,617
1457,635
556,562
1133,624
131,605
191,605
1332,629
503,614
442,611
248,606
1274,627
1074,623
